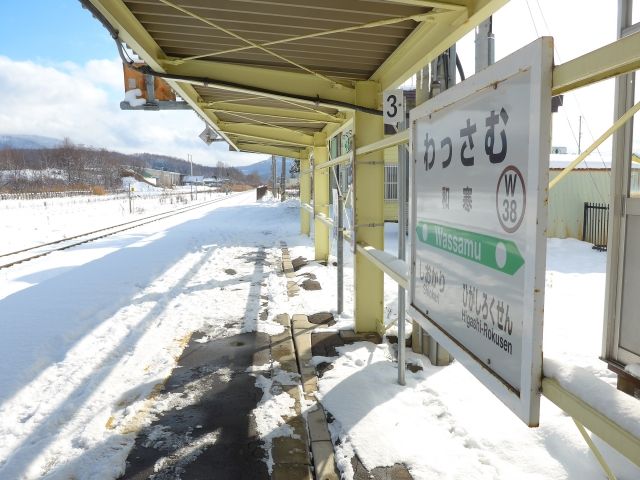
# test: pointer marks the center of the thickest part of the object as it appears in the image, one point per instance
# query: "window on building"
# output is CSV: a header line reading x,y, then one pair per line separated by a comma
x,y
390,183
346,141
334,147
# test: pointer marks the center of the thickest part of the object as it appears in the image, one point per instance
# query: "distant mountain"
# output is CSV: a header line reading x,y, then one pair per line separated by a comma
x,y
263,168
33,147
23,142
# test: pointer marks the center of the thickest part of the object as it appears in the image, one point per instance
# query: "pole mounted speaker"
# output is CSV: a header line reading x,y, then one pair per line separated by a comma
x,y
209,135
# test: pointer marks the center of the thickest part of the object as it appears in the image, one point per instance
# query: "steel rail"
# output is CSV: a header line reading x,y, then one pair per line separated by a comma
x,y
88,233
127,226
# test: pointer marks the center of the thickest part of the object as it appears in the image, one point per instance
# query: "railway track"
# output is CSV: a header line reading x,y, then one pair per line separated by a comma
x,y
38,251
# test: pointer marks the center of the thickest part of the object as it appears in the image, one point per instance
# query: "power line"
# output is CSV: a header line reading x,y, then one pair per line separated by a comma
x,y
573,96
557,54
533,22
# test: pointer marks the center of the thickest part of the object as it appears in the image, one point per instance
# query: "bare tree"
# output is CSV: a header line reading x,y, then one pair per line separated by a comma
x,y
70,159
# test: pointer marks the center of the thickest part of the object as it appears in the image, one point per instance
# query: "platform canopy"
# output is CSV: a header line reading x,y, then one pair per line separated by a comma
x,y
267,75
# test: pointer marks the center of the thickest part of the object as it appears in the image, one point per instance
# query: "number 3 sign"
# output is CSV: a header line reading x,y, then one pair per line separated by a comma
x,y
393,107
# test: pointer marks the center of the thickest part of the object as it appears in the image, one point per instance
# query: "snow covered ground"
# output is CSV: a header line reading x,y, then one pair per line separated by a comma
x,y
444,424
88,333
25,223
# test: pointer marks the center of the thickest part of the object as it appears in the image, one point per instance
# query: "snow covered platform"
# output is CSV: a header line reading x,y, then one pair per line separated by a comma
x,y
130,355
121,339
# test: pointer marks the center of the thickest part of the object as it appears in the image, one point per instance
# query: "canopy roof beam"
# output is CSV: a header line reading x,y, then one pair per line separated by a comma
x,y
427,3
267,134
245,40
430,39
379,23
272,150
265,82
614,59
271,112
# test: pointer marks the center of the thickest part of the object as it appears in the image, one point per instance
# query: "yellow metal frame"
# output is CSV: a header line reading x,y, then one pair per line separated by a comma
x,y
368,211
387,142
267,134
456,21
342,159
381,260
578,160
271,112
429,39
271,150
609,61
305,195
605,428
320,199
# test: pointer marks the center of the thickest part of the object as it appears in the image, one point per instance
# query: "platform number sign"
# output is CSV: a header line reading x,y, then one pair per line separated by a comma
x,y
479,172
393,107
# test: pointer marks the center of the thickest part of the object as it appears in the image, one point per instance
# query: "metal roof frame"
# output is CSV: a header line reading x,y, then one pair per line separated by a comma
x,y
257,93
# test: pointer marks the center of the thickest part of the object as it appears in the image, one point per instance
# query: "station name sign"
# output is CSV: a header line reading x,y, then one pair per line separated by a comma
x,y
480,154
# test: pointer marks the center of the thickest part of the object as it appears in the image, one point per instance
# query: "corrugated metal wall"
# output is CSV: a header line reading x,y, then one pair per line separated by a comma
x,y
566,200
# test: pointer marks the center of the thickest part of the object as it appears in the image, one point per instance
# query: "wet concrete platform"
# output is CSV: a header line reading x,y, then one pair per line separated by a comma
x,y
210,432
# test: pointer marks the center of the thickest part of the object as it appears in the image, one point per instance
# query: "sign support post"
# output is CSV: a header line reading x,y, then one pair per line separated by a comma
x,y
403,160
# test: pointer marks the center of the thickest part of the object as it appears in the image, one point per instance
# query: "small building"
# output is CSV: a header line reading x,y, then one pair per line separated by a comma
x,y
588,182
192,180
216,181
163,178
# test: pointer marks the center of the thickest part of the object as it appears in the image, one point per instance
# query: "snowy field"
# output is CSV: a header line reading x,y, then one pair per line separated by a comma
x,y
25,223
88,333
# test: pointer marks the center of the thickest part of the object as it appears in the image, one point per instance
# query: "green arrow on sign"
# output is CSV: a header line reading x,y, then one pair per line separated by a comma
x,y
492,252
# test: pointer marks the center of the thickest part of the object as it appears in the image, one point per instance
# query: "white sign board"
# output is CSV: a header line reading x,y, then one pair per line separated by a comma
x,y
479,188
393,108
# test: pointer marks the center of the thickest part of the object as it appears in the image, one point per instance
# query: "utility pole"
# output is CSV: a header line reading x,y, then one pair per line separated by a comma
x,y
273,176
190,158
283,176
579,134
485,45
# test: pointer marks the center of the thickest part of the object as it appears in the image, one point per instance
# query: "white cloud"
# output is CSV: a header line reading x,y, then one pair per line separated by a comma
x,y
577,27
82,102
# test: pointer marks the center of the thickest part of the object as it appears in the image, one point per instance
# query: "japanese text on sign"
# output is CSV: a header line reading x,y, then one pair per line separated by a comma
x,y
466,153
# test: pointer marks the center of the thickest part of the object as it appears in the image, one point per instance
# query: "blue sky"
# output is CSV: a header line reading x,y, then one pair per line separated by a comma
x,y
52,31
63,77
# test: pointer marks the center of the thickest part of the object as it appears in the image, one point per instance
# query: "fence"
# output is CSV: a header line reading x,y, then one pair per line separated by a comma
x,y
109,195
595,225
40,195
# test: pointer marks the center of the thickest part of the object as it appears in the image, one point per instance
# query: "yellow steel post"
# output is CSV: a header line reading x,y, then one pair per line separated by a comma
x,y
305,194
320,196
368,193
